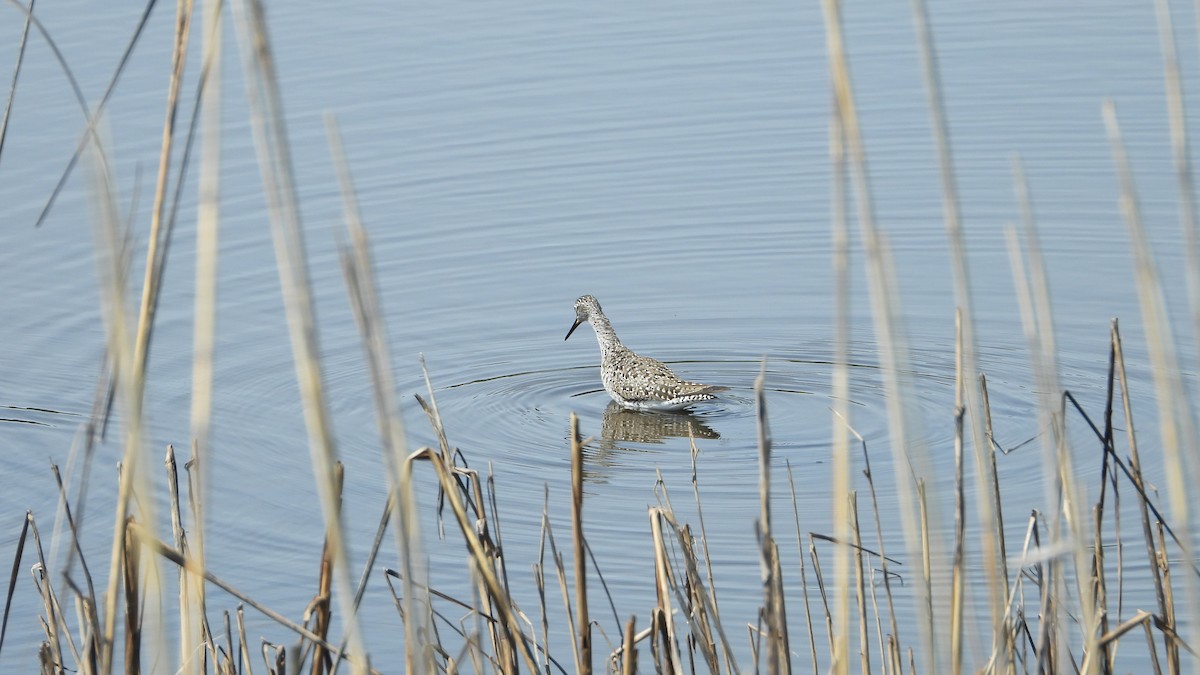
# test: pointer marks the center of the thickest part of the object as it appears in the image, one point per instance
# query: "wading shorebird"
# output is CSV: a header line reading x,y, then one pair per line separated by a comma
x,y
634,381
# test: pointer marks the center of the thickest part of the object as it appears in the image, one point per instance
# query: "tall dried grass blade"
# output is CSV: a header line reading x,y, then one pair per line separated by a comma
x,y
358,270
1176,426
279,187
205,325
1068,522
112,270
1135,466
156,251
907,443
841,460
663,613
958,572
993,564
479,555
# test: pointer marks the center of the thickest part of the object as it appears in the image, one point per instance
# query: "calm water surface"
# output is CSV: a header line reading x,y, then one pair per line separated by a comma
x,y
671,161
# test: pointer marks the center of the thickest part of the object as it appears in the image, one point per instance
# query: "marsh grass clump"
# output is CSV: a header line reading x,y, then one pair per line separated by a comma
x,y
1050,603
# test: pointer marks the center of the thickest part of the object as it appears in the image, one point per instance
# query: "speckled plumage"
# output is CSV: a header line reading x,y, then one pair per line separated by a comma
x,y
636,381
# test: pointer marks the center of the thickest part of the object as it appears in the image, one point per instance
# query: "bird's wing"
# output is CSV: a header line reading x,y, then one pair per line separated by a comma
x,y
647,379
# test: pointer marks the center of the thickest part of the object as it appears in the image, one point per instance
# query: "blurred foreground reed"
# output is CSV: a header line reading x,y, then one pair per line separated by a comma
x,y
1048,603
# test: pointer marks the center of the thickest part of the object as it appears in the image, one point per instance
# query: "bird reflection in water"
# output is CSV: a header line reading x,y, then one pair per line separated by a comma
x,y
620,425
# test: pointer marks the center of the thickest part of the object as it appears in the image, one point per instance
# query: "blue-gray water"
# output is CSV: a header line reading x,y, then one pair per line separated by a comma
x,y
670,159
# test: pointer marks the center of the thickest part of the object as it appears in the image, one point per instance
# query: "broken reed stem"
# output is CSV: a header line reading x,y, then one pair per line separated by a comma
x,y
583,623
186,644
779,658
860,590
479,555
629,657
958,571
133,620
322,602
663,614
1135,466
1176,426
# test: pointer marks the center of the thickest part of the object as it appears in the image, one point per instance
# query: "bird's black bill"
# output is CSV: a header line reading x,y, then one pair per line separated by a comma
x,y
573,327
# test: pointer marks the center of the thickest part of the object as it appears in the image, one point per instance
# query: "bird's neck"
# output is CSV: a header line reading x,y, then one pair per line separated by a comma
x,y
605,335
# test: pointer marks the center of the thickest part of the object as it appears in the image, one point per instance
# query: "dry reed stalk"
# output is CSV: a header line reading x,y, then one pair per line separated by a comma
x,y
1135,465
816,561
133,620
967,394
696,603
188,650
1148,631
547,536
322,604
205,303
1181,154
884,560
958,571
860,590
812,638
12,88
629,655
841,459
243,644
52,620
880,638
88,138
701,636
667,657
583,623
16,572
1109,468
275,165
112,267
1047,647
926,555
994,491
158,240
539,573
479,555
730,665
774,608
85,657
1105,649
907,443
1068,523
1168,624
362,288
156,546
1176,426
501,642
227,667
